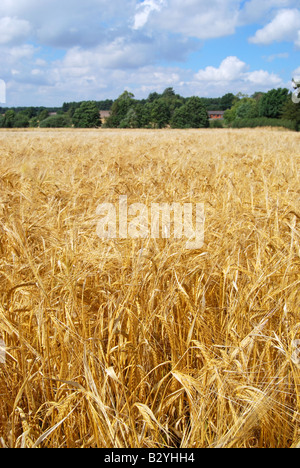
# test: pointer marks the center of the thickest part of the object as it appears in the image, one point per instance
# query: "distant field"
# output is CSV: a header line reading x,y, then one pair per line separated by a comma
x,y
142,342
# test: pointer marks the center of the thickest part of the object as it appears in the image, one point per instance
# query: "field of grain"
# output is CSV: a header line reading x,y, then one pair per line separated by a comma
x,y
141,342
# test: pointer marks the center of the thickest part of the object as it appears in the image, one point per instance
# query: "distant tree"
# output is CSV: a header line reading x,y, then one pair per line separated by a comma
x,y
56,121
257,95
216,123
9,119
242,108
120,109
226,101
153,97
33,122
70,107
21,120
28,111
247,109
160,113
271,103
143,114
241,95
43,115
105,105
180,118
168,93
87,115
192,114
291,111
130,120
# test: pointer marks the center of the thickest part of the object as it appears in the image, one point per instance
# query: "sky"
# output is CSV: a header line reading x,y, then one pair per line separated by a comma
x,y
55,51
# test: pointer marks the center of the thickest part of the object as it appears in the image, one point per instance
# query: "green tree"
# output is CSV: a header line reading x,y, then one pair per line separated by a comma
x,y
153,97
192,114
271,103
130,120
168,93
291,111
43,115
257,95
56,121
120,109
226,101
247,109
34,122
9,119
87,115
180,118
21,120
242,108
160,113
143,113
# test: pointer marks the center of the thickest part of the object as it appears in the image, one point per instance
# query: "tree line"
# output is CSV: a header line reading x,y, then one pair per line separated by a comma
x,y
168,109
274,108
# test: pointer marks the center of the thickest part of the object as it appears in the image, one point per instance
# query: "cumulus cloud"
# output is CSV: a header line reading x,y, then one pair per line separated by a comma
x,y
144,9
197,18
257,10
263,78
13,30
67,23
234,73
119,53
285,26
230,69
95,49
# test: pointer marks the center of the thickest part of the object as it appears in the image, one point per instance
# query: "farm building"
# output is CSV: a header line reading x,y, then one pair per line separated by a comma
x,y
104,114
216,114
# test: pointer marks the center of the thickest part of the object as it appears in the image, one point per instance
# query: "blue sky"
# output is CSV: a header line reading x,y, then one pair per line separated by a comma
x,y
53,51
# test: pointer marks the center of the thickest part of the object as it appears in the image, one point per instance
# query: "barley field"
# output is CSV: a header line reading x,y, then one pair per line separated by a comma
x,y
141,343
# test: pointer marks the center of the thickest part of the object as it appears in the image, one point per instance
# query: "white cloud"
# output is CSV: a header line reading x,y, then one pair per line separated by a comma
x,y
285,26
118,54
13,30
198,18
257,10
67,23
263,78
234,74
230,69
280,55
144,9
97,48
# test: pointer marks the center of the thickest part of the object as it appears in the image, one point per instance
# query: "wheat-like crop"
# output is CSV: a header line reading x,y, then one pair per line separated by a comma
x,y
141,342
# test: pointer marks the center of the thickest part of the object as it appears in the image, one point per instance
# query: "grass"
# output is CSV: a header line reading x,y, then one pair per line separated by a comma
x,y
142,343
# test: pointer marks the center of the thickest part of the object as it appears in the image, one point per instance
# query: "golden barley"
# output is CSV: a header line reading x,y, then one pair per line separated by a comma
x,y
143,342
